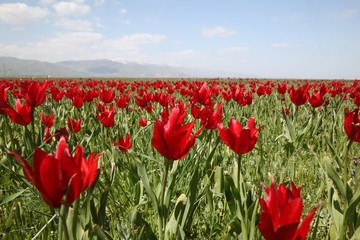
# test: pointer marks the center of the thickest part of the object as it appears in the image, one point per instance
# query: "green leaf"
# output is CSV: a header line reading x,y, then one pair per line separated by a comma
x,y
101,233
336,179
12,197
350,211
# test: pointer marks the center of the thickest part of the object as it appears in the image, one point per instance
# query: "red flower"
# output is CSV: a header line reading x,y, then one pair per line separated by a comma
x,y
47,135
143,122
171,138
107,96
286,111
60,178
124,144
61,133
47,120
281,214
240,139
22,113
74,125
352,124
298,96
316,99
4,103
107,117
34,93
123,100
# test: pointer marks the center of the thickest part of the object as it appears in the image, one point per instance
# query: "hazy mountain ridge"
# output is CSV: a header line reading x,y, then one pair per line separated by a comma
x,y
16,67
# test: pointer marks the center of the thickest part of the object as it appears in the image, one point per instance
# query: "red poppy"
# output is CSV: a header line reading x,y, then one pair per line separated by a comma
x,y
74,125
60,178
22,113
352,124
124,144
240,139
171,138
281,214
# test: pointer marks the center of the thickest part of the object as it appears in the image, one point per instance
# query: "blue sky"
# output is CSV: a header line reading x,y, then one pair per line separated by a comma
x,y
271,39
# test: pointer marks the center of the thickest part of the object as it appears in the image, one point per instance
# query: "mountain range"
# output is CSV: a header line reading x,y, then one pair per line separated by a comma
x,y
16,67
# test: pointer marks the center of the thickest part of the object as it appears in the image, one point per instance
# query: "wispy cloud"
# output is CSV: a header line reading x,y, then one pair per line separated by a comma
x,y
99,2
280,45
286,18
74,24
233,50
71,8
218,31
122,11
20,13
338,15
134,41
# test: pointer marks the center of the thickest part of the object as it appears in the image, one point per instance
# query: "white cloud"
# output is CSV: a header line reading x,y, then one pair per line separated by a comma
x,y
125,22
74,24
217,32
99,2
122,11
129,42
46,1
280,45
58,47
343,14
71,8
231,50
20,13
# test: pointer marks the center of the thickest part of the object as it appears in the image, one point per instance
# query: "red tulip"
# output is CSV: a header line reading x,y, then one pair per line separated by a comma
x,y
298,96
316,99
61,133
352,125
47,120
123,100
34,93
107,96
74,125
60,178
240,139
107,117
22,113
281,214
4,103
124,144
47,135
171,138
143,122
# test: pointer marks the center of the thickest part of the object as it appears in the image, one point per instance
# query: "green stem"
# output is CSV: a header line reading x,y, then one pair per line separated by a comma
x,y
9,131
63,229
346,169
163,210
33,127
238,173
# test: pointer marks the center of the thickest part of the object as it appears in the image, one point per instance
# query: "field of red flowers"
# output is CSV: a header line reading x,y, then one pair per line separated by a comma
x,y
179,159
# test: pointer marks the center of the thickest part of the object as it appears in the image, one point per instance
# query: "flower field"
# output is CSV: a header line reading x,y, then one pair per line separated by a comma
x,y
179,159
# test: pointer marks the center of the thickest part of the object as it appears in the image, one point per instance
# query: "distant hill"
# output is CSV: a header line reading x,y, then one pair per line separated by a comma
x,y
111,68
15,67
